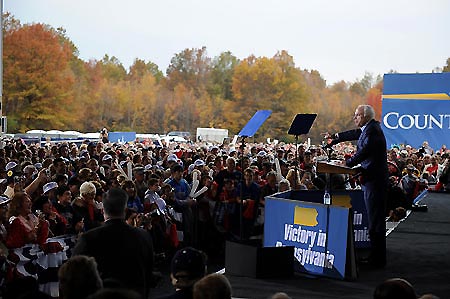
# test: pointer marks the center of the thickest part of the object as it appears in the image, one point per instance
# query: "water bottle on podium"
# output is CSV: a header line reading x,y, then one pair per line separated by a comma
x,y
326,198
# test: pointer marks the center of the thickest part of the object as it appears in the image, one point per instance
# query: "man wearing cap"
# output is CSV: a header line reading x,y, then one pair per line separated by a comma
x,y
49,191
123,253
187,267
171,160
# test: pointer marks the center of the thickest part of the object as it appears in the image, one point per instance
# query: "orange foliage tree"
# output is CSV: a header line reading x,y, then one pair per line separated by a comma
x,y
38,81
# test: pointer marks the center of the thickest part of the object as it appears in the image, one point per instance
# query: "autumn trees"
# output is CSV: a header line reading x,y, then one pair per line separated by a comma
x,y
47,86
37,77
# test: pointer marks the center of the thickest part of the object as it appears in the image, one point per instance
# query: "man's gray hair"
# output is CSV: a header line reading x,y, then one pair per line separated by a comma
x,y
369,113
115,202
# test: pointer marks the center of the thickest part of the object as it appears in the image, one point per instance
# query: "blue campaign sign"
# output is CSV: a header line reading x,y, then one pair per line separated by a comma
x,y
353,199
416,108
317,232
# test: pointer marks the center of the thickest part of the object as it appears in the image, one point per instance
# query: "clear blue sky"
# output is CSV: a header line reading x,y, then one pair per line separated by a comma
x,y
342,39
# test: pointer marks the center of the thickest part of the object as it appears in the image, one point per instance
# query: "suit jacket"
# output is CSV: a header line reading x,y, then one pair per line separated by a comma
x,y
123,253
371,151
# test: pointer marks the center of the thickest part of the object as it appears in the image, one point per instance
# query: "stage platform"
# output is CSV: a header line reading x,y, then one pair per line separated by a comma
x,y
418,251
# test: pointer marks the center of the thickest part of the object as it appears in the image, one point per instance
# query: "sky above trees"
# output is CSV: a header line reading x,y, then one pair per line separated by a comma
x,y
341,39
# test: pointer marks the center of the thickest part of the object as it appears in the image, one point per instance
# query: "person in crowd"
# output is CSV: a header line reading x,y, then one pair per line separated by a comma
x,y
226,210
57,223
123,253
212,286
432,169
294,176
371,154
410,184
271,185
29,173
152,196
139,181
229,172
249,195
394,288
188,266
284,185
49,191
427,148
308,163
183,202
104,135
25,227
134,202
84,207
78,278
64,207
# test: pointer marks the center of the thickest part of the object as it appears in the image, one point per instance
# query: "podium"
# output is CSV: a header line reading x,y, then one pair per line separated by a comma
x,y
329,167
322,235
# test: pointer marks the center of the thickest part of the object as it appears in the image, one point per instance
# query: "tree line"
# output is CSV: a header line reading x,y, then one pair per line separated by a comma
x,y
47,86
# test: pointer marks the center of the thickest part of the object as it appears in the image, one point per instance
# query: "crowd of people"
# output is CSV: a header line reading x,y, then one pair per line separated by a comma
x,y
188,194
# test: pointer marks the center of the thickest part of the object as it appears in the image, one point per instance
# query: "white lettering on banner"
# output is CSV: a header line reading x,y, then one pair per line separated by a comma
x,y
393,120
297,234
361,235
311,257
357,218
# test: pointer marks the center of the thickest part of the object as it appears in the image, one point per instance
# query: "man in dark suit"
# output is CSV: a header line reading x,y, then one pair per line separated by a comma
x,y
124,254
372,155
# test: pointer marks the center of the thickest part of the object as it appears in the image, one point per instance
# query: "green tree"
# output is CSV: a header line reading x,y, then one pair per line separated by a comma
x,y
191,68
222,75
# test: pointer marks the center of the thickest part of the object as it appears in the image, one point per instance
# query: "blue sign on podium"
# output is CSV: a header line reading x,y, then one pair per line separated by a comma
x,y
319,234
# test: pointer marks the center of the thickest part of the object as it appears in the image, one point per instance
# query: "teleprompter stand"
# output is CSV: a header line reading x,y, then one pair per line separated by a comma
x,y
301,125
249,130
242,258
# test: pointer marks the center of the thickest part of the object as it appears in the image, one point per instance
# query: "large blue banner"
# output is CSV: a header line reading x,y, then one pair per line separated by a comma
x,y
317,232
416,108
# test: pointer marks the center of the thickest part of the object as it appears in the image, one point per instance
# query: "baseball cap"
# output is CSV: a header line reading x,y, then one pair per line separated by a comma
x,y
261,154
49,186
190,261
172,157
199,162
10,165
107,157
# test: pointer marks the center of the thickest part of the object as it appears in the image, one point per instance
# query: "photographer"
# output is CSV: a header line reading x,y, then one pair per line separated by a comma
x,y
104,135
